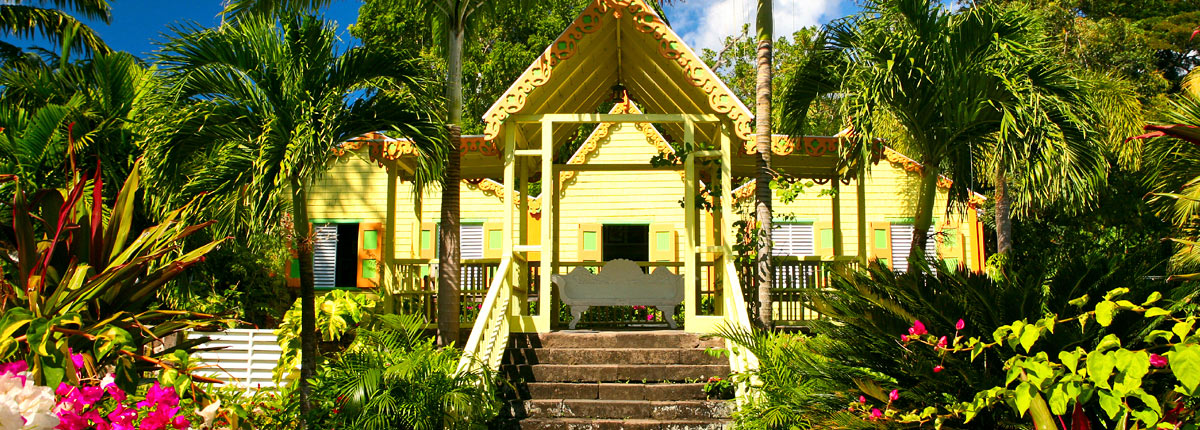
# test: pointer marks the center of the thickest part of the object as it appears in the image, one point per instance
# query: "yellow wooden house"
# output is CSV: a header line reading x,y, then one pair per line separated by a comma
x,y
608,201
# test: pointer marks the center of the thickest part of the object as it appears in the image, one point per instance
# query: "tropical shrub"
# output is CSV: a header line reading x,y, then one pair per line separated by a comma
x,y
1127,385
77,281
339,313
856,350
395,377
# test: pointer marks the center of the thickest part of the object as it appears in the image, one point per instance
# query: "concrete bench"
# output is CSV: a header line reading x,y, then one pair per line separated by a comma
x,y
620,283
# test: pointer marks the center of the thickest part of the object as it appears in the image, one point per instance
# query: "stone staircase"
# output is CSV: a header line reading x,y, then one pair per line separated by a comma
x,y
613,380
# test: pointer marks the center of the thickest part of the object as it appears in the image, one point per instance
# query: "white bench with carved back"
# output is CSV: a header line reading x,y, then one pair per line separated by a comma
x,y
620,283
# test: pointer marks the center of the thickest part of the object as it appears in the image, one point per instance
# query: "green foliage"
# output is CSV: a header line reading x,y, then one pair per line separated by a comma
x,y
339,314
1113,377
499,44
25,20
239,280
80,281
856,349
394,377
736,65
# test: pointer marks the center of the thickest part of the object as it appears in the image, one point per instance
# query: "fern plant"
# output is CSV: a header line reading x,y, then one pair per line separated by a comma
x,y
395,377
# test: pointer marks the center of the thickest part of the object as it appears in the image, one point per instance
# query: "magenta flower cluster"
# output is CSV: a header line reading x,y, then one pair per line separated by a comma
x,y
79,409
918,329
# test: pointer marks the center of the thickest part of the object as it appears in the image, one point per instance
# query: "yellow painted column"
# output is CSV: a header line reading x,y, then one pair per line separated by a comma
x,y
690,268
549,206
837,218
520,304
862,214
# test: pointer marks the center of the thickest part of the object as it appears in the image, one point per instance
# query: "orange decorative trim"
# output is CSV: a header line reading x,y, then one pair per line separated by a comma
x,y
814,146
383,148
670,47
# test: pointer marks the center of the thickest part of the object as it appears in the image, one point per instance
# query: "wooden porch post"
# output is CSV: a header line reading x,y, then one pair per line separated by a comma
x,y
837,217
520,301
549,207
389,247
862,214
690,229
725,226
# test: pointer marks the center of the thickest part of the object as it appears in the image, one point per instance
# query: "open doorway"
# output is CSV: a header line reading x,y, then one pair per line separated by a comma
x,y
627,241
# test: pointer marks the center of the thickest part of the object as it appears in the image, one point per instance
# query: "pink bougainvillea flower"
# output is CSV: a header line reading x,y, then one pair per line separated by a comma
x,y
649,317
960,324
917,329
14,368
938,368
942,343
862,399
876,414
894,395
1158,360
77,360
904,338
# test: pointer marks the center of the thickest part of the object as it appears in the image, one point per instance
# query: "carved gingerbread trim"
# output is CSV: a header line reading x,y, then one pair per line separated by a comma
x,y
383,148
670,46
813,146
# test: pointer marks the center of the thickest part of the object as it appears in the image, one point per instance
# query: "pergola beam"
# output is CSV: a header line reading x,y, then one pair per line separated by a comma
x,y
614,117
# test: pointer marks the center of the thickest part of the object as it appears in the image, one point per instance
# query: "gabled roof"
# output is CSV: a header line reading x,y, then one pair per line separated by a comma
x,y
618,41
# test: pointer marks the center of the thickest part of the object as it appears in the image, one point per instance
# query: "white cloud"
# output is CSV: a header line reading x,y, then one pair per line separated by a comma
x,y
706,23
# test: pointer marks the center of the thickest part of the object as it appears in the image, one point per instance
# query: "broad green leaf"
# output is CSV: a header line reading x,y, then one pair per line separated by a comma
x,y
1104,312
1108,342
1069,359
1079,301
976,350
1024,393
1154,297
1100,368
1110,404
14,320
1159,334
1156,312
1182,329
1058,401
1132,367
1185,364
1029,337
1115,292
38,336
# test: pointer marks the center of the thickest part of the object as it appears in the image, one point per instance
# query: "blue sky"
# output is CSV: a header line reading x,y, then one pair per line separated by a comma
x,y
136,24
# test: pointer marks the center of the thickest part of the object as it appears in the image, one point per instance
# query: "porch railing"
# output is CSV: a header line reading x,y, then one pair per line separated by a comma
x,y
414,289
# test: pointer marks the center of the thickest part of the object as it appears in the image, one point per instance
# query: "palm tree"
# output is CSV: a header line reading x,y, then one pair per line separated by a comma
x,y
762,195
27,18
107,95
1175,175
947,87
262,102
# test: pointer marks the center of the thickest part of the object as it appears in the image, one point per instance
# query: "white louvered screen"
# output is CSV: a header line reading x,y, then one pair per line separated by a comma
x,y
471,236
902,235
792,240
325,256
246,357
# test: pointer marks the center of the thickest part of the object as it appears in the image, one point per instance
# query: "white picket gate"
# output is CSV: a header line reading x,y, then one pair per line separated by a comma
x,y
246,359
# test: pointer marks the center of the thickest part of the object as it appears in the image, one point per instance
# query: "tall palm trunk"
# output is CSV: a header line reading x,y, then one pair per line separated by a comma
x,y
449,269
1004,239
308,314
762,193
924,218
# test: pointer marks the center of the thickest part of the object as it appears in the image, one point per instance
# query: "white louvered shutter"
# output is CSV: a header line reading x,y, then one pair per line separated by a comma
x,y
471,236
792,240
902,235
325,256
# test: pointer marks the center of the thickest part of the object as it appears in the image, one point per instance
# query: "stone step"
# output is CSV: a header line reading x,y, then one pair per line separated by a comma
x,y
621,409
613,339
613,355
612,391
613,372
593,424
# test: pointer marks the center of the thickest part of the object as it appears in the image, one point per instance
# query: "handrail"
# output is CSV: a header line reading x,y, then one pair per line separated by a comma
x,y
489,335
741,360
